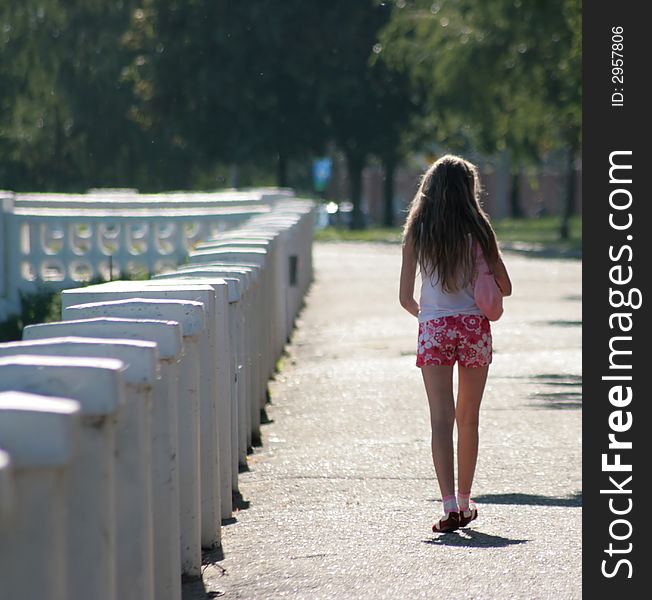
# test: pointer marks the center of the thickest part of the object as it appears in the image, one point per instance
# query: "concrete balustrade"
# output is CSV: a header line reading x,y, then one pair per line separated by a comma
x,y
190,315
134,516
257,332
159,462
215,361
69,239
245,339
298,266
216,406
275,304
258,257
289,262
97,384
277,240
214,389
40,435
293,221
164,429
64,248
298,218
227,354
260,235
111,199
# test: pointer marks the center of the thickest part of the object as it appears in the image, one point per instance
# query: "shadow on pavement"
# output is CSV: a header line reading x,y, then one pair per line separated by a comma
x,y
471,538
562,400
210,557
559,323
558,379
530,499
264,418
239,503
551,250
195,589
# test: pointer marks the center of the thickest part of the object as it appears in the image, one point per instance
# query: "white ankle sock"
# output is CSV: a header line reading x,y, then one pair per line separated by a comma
x,y
450,504
463,500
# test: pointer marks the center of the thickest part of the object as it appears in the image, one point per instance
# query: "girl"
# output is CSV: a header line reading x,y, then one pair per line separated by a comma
x,y
444,229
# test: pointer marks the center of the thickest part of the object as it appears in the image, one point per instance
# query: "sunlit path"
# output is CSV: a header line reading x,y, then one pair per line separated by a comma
x,y
342,493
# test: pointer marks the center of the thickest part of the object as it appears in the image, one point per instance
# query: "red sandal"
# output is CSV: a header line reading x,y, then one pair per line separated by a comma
x,y
466,516
449,522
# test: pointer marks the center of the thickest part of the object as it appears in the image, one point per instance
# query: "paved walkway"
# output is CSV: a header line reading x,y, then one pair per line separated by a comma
x,y
342,494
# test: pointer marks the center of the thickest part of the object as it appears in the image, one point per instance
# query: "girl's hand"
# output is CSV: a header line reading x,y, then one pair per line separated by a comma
x,y
502,277
412,306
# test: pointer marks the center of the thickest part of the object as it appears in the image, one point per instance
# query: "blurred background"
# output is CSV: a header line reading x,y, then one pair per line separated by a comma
x,y
347,102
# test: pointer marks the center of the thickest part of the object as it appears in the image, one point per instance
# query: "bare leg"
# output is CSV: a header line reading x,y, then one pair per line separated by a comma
x,y
467,414
439,388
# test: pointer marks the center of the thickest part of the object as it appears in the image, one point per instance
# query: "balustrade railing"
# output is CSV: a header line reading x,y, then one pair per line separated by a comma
x,y
123,426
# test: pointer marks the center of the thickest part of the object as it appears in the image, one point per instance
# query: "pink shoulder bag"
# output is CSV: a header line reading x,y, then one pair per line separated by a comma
x,y
487,294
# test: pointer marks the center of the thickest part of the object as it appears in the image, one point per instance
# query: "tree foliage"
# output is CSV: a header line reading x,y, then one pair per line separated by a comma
x,y
499,75
230,81
164,93
63,122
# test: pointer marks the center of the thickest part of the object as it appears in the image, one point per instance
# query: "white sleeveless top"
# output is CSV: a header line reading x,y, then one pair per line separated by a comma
x,y
434,303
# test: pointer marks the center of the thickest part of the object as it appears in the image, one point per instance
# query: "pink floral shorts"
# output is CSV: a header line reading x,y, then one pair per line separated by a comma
x,y
465,338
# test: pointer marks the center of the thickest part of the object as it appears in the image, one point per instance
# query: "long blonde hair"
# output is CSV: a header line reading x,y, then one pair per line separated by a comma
x,y
445,218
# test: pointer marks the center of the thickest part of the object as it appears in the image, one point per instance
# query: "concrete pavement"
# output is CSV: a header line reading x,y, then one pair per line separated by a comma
x,y
342,494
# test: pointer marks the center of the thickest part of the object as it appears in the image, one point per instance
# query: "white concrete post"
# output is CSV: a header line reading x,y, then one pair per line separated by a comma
x,y
285,223
164,435
297,220
257,256
216,494
260,330
261,233
262,230
235,294
293,252
242,373
302,215
98,386
275,300
287,254
251,333
264,311
216,410
41,436
135,571
40,212
270,242
226,367
190,315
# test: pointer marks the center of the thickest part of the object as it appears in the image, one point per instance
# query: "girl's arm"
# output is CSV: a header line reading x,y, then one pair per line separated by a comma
x,y
406,287
502,277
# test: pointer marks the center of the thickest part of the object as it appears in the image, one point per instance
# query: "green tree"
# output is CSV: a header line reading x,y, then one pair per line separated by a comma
x,y
232,82
397,112
33,138
359,99
63,123
499,76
